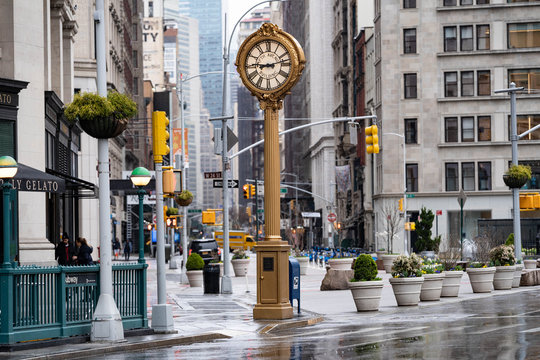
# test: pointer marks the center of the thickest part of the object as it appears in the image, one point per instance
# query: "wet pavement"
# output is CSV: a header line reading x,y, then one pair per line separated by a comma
x,y
499,325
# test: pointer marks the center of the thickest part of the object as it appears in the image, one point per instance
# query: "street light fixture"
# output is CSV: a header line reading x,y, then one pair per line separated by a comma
x,y
140,177
8,169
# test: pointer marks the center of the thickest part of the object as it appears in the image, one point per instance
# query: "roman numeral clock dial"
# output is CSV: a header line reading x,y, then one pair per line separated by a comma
x,y
268,65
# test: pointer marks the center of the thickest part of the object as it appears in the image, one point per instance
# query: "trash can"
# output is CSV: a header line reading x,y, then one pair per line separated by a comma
x,y
211,278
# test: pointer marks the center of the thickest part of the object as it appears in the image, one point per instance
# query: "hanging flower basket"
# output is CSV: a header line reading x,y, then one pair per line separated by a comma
x,y
184,198
101,117
514,182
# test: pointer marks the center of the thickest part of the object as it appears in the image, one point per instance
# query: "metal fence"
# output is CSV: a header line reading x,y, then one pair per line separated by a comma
x,y
50,302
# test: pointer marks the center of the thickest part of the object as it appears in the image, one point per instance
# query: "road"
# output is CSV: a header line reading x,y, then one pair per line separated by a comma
x,y
496,327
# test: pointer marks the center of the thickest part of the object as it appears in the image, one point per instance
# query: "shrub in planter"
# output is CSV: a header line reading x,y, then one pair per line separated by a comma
x,y
240,261
517,175
407,279
101,117
423,229
365,268
184,198
194,262
481,277
366,287
502,257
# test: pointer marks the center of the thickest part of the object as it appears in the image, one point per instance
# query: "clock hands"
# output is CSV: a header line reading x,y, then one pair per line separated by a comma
x,y
262,66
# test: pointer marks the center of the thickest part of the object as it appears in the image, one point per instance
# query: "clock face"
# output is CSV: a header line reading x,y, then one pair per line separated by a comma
x,y
268,65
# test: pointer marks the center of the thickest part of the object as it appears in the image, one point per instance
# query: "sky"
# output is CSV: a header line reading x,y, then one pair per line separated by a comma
x,y
235,9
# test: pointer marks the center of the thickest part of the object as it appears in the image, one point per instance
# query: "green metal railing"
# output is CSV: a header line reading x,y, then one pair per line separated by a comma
x,y
50,302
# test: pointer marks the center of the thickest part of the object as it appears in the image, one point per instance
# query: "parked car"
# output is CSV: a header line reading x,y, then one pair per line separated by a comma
x,y
207,248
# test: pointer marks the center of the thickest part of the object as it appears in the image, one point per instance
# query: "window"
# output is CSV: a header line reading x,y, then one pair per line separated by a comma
x,y
409,4
484,175
134,30
514,1
524,123
412,177
466,2
482,37
135,59
410,86
482,2
524,35
450,3
450,38
450,84
135,86
467,83
410,131
466,38
409,41
451,176
467,129
484,83
527,78
467,176
484,128
450,129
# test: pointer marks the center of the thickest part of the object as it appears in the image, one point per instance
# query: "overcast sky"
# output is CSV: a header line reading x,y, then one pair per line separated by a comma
x,y
235,9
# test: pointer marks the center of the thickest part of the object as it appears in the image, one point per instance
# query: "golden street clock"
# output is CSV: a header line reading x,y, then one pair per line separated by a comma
x,y
270,62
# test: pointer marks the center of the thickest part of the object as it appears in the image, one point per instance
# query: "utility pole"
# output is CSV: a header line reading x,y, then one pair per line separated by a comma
x,y
514,138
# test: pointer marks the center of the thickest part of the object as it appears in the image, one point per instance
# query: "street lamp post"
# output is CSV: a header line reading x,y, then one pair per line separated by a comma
x,y
8,169
140,177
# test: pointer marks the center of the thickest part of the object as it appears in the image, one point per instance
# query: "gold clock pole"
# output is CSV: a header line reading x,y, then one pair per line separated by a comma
x,y
270,62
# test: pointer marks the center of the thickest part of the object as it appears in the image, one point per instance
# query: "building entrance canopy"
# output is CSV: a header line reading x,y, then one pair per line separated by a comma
x,y
30,179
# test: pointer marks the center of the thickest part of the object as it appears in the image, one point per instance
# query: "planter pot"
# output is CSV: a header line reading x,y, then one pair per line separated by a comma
x,y
104,128
380,254
240,267
517,276
340,263
451,282
504,277
303,261
366,294
407,290
195,278
183,202
514,182
530,264
481,279
388,261
432,287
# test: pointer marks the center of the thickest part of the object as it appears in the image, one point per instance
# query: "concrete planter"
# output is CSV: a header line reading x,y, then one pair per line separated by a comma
x,y
407,290
504,277
366,294
451,283
380,254
481,279
432,287
240,267
517,276
195,278
304,262
388,261
340,263
530,264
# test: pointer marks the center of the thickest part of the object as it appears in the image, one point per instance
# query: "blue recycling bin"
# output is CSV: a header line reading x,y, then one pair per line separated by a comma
x,y
294,281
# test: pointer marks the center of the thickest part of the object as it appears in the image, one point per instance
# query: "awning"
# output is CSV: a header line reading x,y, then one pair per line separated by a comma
x,y
76,187
30,179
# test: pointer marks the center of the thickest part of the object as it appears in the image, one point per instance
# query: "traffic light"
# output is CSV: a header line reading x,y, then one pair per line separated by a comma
x,y
401,204
372,139
252,190
246,191
160,135
410,226
208,217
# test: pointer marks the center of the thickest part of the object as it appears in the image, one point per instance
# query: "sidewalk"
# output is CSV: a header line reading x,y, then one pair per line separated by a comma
x,y
200,318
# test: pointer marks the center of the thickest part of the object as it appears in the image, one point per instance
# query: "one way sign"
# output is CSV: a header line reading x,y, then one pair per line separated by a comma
x,y
218,183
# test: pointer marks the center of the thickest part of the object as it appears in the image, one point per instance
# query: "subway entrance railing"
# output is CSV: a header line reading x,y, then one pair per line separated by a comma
x,y
54,302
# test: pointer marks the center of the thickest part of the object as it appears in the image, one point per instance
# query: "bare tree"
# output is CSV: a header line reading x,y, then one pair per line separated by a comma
x,y
393,219
484,242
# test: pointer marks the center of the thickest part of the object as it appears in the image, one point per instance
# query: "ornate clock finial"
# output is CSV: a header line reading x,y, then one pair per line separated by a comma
x,y
268,29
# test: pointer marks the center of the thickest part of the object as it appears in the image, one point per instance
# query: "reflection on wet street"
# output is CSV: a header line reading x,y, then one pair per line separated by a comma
x,y
495,327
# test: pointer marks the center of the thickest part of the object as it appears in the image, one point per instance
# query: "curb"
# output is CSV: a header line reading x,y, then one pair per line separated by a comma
x,y
123,347
291,324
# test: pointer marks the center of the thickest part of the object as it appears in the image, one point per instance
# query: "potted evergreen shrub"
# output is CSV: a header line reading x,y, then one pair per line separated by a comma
x,y
517,175
407,279
194,270
101,117
502,257
366,287
184,198
425,244
240,262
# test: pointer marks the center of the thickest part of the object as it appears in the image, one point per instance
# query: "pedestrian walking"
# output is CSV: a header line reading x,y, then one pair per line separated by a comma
x,y
64,251
116,248
127,249
84,251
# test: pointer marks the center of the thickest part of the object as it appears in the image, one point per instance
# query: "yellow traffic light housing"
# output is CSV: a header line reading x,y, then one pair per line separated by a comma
x,y
252,190
160,135
372,139
169,182
208,217
246,191
401,204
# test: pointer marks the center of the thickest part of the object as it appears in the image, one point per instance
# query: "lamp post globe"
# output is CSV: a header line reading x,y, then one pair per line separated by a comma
x,y
140,177
8,169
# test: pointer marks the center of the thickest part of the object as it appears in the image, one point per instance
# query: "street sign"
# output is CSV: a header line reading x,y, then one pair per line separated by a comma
x,y
283,190
410,195
231,139
439,212
462,198
332,217
213,175
219,184
196,211
311,214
